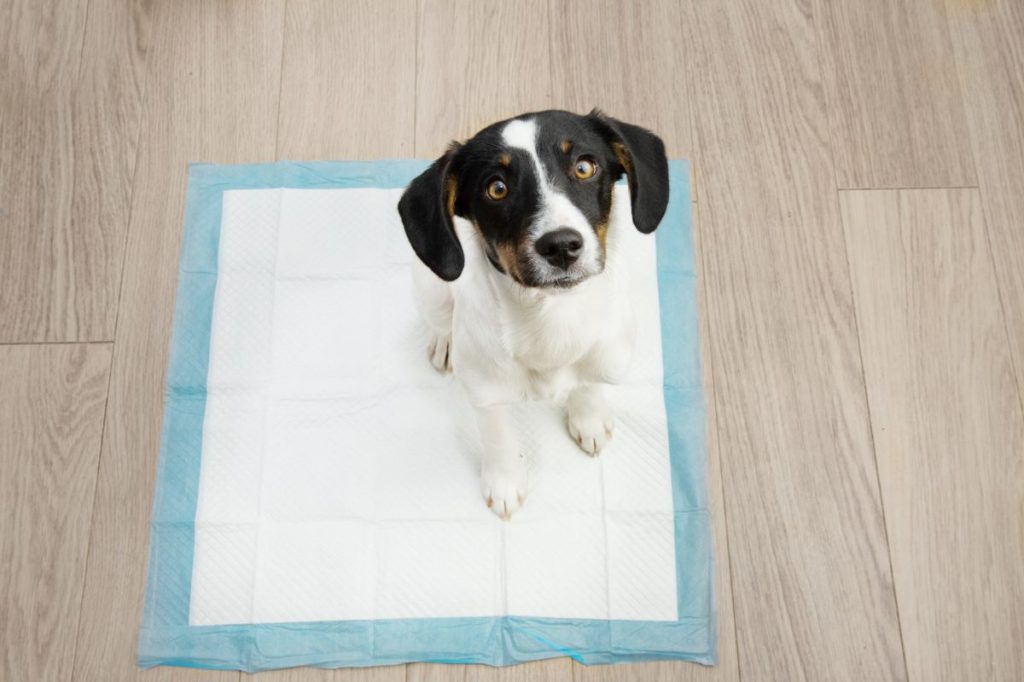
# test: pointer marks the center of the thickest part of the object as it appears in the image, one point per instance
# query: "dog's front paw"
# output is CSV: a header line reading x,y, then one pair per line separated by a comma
x,y
440,352
591,432
504,489
590,421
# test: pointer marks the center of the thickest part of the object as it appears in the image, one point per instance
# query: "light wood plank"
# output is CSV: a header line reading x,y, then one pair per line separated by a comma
x,y
896,114
811,583
626,58
497,67
727,667
211,95
728,662
51,417
478,61
39,45
349,80
107,118
69,112
988,38
948,428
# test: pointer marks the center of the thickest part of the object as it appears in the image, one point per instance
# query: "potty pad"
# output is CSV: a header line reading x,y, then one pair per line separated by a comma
x,y
318,496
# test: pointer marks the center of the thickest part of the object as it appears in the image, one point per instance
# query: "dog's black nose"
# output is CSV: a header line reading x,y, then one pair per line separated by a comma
x,y
560,247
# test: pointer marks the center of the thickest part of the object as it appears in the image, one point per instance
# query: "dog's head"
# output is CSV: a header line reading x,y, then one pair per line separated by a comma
x,y
538,189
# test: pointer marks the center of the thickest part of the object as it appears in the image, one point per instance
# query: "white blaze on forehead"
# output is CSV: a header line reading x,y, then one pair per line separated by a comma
x,y
557,210
522,134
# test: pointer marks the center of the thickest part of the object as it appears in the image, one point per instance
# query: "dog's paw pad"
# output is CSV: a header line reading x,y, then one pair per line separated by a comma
x,y
440,352
590,432
504,491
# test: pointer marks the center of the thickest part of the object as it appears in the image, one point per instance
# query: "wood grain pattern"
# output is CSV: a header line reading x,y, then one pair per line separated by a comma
x,y
728,661
948,428
349,80
212,95
811,582
107,117
69,113
988,38
626,58
40,43
498,66
51,417
897,118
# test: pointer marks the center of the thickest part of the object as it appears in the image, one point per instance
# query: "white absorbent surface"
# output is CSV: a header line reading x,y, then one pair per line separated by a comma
x,y
340,472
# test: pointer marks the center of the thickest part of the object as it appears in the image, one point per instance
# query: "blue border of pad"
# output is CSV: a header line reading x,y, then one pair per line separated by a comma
x,y
166,638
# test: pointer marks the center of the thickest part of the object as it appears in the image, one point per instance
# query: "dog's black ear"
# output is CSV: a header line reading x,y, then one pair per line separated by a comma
x,y
641,154
427,208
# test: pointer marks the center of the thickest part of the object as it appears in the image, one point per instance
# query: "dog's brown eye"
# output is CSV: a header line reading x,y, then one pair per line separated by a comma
x,y
497,190
585,168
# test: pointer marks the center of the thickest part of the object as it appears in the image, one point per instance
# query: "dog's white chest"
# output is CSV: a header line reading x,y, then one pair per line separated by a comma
x,y
565,340
512,344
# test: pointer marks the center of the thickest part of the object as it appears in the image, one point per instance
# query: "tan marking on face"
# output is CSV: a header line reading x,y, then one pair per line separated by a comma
x,y
450,185
602,226
622,154
509,259
505,160
602,233
566,146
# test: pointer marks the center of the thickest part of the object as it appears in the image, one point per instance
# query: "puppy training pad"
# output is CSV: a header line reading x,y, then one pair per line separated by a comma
x,y
318,496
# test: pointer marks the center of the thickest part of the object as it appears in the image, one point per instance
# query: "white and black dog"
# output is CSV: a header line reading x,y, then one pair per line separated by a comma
x,y
523,294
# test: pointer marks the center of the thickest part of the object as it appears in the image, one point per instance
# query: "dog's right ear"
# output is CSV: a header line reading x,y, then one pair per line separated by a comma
x,y
427,208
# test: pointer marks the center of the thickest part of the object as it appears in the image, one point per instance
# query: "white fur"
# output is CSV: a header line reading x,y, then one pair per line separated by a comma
x,y
507,343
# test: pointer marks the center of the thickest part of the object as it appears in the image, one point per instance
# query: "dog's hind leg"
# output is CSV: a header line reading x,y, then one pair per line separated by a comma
x,y
436,306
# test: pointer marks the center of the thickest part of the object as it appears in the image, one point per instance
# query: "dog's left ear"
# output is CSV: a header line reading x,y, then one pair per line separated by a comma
x,y
641,154
427,208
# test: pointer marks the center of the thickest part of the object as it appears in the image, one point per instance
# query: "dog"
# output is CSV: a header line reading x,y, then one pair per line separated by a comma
x,y
517,277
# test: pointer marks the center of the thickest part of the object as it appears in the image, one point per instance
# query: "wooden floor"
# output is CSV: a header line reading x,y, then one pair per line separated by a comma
x,y
860,199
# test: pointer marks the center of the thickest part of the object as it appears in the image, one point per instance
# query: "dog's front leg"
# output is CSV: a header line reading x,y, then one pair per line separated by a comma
x,y
502,470
589,418
436,306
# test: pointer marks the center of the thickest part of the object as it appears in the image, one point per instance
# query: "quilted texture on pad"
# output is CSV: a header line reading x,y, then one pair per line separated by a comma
x,y
339,473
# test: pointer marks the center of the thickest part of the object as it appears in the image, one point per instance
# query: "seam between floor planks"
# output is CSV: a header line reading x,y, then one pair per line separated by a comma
x,y
874,442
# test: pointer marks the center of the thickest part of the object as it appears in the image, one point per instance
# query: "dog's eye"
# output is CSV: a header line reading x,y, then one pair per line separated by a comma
x,y
497,190
585,168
